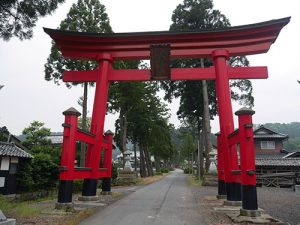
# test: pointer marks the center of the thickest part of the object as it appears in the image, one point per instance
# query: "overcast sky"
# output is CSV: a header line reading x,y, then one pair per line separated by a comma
x,y
26,96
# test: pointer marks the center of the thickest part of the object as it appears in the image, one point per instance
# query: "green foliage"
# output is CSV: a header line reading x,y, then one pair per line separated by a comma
x,y
77,186
195,15
85,16
36,135
45,171
40,174
24,209
292,144
42,171
189,145
186,170
88,122
160,139
114,173
17,18
291,129
164,170
25,181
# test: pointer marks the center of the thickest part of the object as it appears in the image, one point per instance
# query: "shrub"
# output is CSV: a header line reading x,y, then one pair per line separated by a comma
x,y
186,170
77,186
164,170
39,174
25,182
44,172
114,174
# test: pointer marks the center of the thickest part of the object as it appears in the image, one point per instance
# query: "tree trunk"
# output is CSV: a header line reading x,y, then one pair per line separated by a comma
x,y
207,143
206,122
83,125
157,164
142,162
123,132
135,159
148,161
201,145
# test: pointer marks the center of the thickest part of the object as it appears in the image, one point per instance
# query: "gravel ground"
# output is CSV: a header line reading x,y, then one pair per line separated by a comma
x,y
212,217
281,203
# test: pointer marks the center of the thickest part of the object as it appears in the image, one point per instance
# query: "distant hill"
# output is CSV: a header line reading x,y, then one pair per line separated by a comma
x,y
291,129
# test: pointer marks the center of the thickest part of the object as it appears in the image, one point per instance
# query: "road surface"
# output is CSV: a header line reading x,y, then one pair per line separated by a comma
x,y
166,202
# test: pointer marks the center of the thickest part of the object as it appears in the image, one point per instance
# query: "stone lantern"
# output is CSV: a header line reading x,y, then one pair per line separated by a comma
x,y
126,176
127,166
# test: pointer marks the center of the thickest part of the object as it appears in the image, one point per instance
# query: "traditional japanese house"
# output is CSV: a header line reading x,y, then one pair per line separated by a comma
x,y
10,155
268,142
274,165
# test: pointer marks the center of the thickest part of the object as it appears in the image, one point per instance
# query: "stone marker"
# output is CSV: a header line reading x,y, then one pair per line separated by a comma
x,y
5,221
297,189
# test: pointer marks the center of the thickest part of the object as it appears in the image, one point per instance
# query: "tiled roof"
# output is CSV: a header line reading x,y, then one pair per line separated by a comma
x,y
270,156
10,149
56,138
267,136
266,133
278,162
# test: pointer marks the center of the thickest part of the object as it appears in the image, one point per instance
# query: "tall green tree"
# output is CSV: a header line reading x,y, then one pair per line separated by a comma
x,y
36,135
122,98
42,172
195,15
160,142
18,17
145,110
85,16
188,149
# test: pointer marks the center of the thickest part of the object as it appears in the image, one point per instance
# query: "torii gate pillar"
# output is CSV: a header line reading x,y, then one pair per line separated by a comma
x,y
230,159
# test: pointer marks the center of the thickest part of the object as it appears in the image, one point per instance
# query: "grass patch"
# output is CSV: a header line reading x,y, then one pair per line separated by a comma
x,y
75,219
194,181
11,207
149,180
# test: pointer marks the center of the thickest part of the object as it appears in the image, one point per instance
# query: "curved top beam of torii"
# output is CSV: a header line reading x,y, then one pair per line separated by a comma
x,y
238,40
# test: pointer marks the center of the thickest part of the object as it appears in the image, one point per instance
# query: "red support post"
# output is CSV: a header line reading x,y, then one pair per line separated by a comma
x,y
247,159
108,152
106,182
68,156
233,187
69,144
221,175
97,124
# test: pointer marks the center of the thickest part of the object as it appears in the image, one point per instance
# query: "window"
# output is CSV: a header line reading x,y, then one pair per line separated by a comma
x,y
5,163
267,145
13,168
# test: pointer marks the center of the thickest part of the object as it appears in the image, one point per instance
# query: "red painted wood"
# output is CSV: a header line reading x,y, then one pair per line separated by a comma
x,y
247,155
221,175
85,138
129,75
225,113
80,76
107,161
241,40
69,147
258,72
98,116
234,139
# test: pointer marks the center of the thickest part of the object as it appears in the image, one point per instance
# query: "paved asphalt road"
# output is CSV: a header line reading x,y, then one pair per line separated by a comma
x,y
166,202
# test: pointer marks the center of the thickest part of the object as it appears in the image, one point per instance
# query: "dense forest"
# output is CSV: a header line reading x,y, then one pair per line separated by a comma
x,y
292,129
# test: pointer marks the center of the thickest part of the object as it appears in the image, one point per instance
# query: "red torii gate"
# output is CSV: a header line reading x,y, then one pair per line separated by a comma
x,y
216,44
